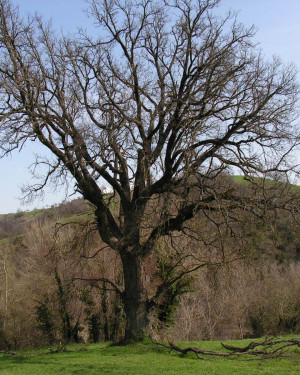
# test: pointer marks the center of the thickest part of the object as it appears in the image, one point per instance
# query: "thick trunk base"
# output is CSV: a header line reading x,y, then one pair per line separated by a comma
x,y
136,302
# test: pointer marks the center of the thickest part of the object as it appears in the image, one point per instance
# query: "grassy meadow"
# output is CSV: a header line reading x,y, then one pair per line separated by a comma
x,y
142,359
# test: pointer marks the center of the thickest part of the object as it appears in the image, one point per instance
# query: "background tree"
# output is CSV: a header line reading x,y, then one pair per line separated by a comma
x,y
166,100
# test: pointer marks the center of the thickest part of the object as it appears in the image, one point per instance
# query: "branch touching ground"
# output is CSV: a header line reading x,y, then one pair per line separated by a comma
x,y
8,353
268,348
61,348
195,350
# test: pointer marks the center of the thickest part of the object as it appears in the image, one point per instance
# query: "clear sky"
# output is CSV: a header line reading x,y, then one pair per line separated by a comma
x,y
278,23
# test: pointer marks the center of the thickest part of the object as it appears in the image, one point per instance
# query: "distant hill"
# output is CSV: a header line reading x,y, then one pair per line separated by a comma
x,y
16,224
279,239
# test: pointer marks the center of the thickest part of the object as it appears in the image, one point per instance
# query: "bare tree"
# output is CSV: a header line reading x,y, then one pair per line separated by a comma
x,y
165,100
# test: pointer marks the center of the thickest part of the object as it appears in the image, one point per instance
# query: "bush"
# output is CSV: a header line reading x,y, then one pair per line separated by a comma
x,y
242,301
44,319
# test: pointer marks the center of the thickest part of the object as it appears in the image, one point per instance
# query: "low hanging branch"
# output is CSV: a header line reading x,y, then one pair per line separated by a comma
x,y
267,348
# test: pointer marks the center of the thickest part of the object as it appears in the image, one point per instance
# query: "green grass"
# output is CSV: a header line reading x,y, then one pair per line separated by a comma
x,y
10,239
142,359
74,218
267,181
243,180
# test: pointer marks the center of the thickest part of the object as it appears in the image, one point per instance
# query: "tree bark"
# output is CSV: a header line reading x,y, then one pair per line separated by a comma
x,y
136,303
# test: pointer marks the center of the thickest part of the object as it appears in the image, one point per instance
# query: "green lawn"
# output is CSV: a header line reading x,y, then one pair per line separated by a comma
x,y
142,359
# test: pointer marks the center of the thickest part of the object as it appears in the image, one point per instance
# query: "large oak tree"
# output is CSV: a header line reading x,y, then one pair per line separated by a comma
x,y
161,102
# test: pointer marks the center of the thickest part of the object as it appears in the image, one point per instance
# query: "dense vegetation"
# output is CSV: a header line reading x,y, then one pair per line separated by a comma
x,y
54,281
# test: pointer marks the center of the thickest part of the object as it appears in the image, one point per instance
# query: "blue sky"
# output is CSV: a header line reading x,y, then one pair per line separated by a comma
x,y
278,23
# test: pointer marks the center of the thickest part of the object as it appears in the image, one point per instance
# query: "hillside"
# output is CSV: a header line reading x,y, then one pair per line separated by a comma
x,y
15,225
53,282
278,239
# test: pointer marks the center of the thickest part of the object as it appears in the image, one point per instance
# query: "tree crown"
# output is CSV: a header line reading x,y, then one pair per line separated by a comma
x,y
166,90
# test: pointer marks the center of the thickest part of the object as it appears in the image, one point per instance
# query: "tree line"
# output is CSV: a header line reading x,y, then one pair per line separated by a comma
x,y
54,284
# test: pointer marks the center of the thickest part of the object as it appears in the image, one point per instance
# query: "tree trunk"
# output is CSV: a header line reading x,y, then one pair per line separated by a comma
x,y
136,302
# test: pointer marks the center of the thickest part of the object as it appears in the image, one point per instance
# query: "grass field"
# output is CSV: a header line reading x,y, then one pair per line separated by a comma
x,y
143,359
